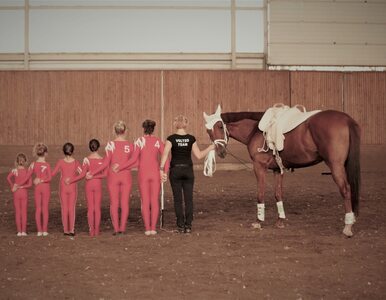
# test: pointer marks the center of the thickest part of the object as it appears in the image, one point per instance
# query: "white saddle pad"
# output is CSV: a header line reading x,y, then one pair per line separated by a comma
x,y
281,119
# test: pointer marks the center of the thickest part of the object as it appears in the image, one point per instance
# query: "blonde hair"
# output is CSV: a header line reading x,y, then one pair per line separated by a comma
x,y
21,159
180,122
39,150
120,127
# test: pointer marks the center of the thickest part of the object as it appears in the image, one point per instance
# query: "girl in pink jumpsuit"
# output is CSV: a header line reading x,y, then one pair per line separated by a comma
x,y
69,168
20,194
93,186
42,171
148,149
119,183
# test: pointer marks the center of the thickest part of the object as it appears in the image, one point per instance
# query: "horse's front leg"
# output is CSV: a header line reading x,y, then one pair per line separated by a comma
x,y
279,198
260,173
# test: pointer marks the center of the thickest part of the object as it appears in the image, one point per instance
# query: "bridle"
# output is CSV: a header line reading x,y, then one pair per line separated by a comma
x,y
222,142
210,160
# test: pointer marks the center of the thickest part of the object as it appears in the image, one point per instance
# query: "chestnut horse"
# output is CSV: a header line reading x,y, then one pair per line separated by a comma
x,y
329,136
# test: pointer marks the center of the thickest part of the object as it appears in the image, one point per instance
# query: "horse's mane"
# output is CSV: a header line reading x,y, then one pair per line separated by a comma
x,y
231,117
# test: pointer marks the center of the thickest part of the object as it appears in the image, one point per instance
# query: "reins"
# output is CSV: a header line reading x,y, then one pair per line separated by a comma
x,y
243,162
210,160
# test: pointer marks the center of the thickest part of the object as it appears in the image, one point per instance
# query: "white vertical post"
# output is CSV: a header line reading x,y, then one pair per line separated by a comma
x,y
162,107
233,33
265,21
26,34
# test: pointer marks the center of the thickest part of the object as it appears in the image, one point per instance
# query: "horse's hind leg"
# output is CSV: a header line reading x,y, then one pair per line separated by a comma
x,y
260,173
279,199
339,175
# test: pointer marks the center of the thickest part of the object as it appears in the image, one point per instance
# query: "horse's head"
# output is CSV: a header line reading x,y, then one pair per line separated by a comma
x,y
217,131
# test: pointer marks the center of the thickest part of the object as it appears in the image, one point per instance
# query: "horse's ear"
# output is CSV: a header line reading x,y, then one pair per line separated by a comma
x,y
205,117
218,110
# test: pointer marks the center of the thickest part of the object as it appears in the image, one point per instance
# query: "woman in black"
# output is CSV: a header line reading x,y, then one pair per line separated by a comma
x,y
181,145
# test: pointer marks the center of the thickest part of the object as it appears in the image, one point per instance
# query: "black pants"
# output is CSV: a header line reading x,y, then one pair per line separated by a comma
x,y
182,181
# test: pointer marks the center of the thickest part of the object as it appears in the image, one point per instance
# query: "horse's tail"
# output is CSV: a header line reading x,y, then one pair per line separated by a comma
x,y
352,165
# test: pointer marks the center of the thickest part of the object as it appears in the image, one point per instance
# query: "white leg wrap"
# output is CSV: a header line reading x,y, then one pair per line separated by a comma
x,y
261,212
280,209
349,218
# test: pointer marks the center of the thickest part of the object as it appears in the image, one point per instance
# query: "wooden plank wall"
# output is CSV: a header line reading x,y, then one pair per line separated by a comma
x,y
193,92
75,106
365,101
317,90
60,106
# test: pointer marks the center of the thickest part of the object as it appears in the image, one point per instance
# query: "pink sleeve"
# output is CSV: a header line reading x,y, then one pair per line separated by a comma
x,y
57,168
78,167
29,173
28,184
102,174
49,175
130,163
82,174
105,164
9,177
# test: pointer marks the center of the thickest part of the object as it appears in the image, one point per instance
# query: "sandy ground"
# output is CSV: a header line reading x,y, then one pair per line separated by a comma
x,y
224,258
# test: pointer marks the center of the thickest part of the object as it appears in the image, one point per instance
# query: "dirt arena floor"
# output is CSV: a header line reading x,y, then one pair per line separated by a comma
x,y
224,258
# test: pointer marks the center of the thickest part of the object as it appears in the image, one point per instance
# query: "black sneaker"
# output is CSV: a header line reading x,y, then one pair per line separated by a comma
x,y
71,234
188,230
180,229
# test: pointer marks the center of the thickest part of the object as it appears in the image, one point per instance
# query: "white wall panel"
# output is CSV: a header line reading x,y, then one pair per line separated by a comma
x,y
328,33
340,33
327,11
129,30
11,31
327,55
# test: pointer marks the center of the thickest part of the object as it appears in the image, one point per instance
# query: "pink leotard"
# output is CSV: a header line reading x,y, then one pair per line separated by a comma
x,y
119,184
68,193
20,197
42,193
148,150
93,192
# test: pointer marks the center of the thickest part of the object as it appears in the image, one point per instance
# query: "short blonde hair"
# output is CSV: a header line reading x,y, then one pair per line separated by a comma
x,y
181,122
39,150
120,127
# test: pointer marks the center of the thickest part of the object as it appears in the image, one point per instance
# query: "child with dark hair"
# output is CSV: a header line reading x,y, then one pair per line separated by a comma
x,y
93,186
68,167
19,186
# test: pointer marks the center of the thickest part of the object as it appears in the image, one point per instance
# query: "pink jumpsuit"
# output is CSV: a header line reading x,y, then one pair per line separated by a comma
x,y
119,184
93,192
42,170
68,193
20,197
149,149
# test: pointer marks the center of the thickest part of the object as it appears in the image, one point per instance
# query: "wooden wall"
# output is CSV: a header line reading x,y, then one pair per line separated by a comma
x,y
75,106
60,106
193,92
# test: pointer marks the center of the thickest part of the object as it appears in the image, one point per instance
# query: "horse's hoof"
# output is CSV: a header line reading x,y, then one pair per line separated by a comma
x,y
257,225
280,223
347,231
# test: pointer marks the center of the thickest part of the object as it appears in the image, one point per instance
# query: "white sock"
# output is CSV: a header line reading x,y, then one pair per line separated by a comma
x,y
261,212
280,209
